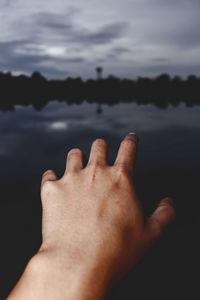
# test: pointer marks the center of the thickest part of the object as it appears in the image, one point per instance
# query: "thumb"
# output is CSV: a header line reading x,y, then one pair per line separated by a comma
x,y
48,175
159,220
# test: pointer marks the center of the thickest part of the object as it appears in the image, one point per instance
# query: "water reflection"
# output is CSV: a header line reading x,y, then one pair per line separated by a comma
x,y
38,91
168,164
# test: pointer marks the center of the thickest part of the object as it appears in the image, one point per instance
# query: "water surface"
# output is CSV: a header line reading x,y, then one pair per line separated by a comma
x,y
168,164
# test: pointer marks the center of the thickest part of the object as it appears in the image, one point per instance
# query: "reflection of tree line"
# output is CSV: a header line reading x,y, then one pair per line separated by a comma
x,y
36,90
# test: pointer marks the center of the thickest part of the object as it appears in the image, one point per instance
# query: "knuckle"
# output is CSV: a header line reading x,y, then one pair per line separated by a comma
x,y
94,167
121,169
95,172
121,173
97,164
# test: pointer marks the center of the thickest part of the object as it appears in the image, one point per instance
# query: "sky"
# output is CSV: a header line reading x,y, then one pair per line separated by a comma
x,y
128,38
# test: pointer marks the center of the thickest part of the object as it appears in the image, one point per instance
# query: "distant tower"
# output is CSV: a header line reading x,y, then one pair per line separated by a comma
x,y
99,72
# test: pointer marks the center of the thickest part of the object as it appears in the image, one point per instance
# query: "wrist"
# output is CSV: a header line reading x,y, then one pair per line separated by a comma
x,y
58,280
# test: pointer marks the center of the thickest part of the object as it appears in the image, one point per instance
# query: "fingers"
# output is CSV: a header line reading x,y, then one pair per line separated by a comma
x,y
74,160
98,152
159,220
48,175
127,152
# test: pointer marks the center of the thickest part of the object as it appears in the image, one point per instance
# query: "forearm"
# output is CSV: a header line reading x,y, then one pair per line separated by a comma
x,y
43,280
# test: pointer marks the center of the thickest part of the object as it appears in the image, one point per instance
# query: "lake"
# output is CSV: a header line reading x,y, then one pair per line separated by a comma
x,y
168,164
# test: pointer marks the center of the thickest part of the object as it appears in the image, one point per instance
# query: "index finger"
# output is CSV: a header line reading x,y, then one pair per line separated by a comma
x,y
127,152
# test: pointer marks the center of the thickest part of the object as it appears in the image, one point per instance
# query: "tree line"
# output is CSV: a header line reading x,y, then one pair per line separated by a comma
x,y
38,91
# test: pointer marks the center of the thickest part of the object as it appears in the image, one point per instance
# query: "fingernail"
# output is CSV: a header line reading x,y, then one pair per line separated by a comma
x,y
132,136
169,200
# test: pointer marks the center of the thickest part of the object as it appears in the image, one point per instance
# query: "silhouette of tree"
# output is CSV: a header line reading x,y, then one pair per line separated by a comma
x,y
38,91
37,76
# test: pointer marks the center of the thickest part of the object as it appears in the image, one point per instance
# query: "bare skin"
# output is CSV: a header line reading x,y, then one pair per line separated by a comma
x,y
93,227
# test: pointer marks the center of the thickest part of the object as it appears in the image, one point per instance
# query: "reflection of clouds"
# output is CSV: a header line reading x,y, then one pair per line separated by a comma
x,y
148,118
32,140
59,125
120,118
124,116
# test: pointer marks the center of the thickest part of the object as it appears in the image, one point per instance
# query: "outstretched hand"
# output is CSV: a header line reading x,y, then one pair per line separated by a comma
x,y
93,226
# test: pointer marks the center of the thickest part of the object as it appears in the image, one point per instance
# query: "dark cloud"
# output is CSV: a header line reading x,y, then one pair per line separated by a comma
x,y
55,36
57,22
10,60
27,54
115,53
105,34
65,29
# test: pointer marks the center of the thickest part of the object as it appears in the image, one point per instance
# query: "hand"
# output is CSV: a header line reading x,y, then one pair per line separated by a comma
x,y
93,226
92,216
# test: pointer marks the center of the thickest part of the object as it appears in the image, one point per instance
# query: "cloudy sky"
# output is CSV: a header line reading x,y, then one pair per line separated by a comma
x,y
128,38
